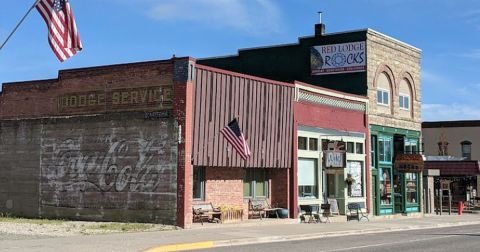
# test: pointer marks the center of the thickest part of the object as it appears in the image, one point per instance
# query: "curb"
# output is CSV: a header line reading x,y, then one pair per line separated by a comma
x,y
283,238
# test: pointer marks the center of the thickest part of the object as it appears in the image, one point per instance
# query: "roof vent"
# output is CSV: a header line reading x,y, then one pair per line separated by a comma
x,y
320,27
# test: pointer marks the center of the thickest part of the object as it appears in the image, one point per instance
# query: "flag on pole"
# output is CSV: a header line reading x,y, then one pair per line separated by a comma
x,y
235,137
62,31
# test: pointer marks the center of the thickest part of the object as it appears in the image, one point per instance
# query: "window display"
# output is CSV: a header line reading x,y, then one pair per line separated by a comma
x,y
385,186
354,171
411,187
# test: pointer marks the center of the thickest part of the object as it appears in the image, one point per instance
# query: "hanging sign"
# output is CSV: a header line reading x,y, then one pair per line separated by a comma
x,y
338,58
334,154
409,163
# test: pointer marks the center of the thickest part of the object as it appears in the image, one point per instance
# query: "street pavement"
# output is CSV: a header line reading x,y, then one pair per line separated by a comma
x,y
224,235
459,239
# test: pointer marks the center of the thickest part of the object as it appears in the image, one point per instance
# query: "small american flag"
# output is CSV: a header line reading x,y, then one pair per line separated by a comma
x,y
62,31
235,137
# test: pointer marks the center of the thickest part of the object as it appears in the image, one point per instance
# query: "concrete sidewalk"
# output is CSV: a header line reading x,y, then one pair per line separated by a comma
x,y
230,235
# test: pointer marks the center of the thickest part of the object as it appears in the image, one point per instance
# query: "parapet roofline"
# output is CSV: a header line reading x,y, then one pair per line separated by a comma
x,y
367,30
451,124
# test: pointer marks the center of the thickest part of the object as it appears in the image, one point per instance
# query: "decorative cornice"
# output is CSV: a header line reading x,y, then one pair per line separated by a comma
x,y
322,100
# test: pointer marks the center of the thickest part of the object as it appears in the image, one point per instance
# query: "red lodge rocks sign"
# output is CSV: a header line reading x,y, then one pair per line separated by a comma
x,y
338,58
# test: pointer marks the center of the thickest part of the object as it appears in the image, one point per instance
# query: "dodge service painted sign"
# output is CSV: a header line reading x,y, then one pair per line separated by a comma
x,y
338,58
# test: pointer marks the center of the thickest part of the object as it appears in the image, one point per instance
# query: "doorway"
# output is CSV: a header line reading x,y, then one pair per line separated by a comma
x,y
336,188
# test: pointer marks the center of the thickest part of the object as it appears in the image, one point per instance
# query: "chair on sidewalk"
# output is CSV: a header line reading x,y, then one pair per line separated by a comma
x,y
311,212
355,212
260,208
326,212
206,212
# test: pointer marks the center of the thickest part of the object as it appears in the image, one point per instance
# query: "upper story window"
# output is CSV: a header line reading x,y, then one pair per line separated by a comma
x,y
467,149
302,143
307,143
383,97
404,101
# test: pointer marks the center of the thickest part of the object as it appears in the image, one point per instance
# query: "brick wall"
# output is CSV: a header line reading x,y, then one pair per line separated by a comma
x,y
19,167
224,187
104,145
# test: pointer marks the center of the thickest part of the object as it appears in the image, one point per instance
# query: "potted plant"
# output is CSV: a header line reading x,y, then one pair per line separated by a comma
x,y
349,181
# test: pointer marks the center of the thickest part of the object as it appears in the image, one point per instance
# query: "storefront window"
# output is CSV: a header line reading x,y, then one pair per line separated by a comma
x,y
411,180
373,151
255,183
198,183
385,186
354,170
307,178
411,147
350,146
385,149
359,148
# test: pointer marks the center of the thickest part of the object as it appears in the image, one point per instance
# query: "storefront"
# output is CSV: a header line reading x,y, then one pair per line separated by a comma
x,y
395,190
331,140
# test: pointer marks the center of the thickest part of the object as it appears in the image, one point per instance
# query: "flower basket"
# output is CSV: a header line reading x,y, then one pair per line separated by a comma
x,y
231,214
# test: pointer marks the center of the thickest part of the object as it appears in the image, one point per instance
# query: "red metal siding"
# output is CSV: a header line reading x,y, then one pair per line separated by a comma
x,y
263,107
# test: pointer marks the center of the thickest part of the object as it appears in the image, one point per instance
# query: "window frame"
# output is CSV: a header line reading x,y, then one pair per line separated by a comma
x,y
202,171
401,99
464,144
383,92
252,183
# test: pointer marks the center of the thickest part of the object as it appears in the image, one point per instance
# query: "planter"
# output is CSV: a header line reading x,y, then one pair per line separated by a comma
x,y
231,216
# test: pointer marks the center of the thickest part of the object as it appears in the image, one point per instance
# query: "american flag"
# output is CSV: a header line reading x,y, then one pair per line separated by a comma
x,y
235,137
62,31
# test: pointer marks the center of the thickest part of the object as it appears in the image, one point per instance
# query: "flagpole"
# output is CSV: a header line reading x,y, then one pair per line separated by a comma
x,y
19,23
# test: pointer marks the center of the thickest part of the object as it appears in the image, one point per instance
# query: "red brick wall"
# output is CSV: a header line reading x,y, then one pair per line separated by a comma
x,y
224,187
33,99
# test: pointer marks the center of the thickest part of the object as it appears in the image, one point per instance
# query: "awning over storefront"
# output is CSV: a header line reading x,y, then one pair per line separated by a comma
x,y
455,168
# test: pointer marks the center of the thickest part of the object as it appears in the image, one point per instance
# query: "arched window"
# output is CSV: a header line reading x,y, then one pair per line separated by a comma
x,y
466,149
384,90
405,98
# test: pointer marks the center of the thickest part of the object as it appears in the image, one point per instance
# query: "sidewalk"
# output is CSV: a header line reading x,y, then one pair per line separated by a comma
x,y
231,234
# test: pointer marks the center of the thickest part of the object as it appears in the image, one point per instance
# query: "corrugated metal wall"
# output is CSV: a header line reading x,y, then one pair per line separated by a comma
x,y
263,107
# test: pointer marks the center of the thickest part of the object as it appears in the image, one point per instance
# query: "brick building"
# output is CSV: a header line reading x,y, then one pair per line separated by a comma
x,y
366,63
142,142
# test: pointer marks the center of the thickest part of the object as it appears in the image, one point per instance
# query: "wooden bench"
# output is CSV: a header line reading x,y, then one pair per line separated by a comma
x,y
206,212
260,208
355,211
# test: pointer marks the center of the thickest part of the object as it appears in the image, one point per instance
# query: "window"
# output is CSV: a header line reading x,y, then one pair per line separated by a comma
x,y
373,151
255,183
411,147
385,149
466,149
385,186
404,102
307,178
302,143
382,97
411,187
354,170
198,183
313,144
359,148
350,147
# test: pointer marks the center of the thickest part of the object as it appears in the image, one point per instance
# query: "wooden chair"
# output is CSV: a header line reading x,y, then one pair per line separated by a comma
x,y
206,212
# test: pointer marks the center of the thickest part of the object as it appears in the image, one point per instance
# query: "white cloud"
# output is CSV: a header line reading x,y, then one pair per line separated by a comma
x,y
250,16
449,112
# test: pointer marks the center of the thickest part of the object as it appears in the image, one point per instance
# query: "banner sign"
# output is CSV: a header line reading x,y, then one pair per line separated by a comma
x,y
409,163
338,58
334,154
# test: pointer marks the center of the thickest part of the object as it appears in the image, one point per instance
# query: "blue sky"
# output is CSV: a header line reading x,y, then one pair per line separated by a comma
x,y
119,31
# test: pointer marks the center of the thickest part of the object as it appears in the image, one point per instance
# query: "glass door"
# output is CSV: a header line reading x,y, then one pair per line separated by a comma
x,y
336,188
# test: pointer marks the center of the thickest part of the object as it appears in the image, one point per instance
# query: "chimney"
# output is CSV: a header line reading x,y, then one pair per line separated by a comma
x,y
320,27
